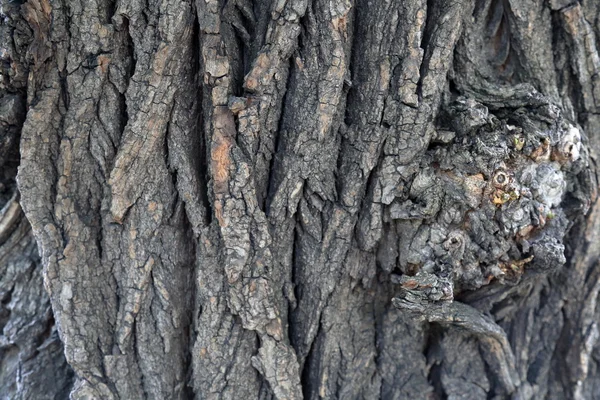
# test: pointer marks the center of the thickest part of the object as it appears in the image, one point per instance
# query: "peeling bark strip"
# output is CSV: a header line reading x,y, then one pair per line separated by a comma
x,y
299,199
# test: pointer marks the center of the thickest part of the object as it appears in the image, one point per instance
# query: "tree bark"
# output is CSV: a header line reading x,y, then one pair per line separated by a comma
x,y
344,199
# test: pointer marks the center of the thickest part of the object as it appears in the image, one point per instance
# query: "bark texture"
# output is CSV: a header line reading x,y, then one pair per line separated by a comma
x,y
342,199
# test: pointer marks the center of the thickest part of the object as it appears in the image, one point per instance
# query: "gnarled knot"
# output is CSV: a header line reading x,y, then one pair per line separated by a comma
x,y
422,289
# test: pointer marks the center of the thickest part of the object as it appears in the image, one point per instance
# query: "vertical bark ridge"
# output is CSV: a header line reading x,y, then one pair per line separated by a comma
x,y
32,363
242,225
138,289
337,236
216,325
302,182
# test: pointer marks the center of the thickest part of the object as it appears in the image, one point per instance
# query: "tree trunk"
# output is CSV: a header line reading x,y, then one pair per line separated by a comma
x,y
341,199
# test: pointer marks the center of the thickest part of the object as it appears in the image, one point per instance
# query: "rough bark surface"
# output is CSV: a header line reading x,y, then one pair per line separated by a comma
x,y
342,199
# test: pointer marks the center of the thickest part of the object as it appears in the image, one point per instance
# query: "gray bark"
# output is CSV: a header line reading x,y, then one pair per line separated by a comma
x,y
344,199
